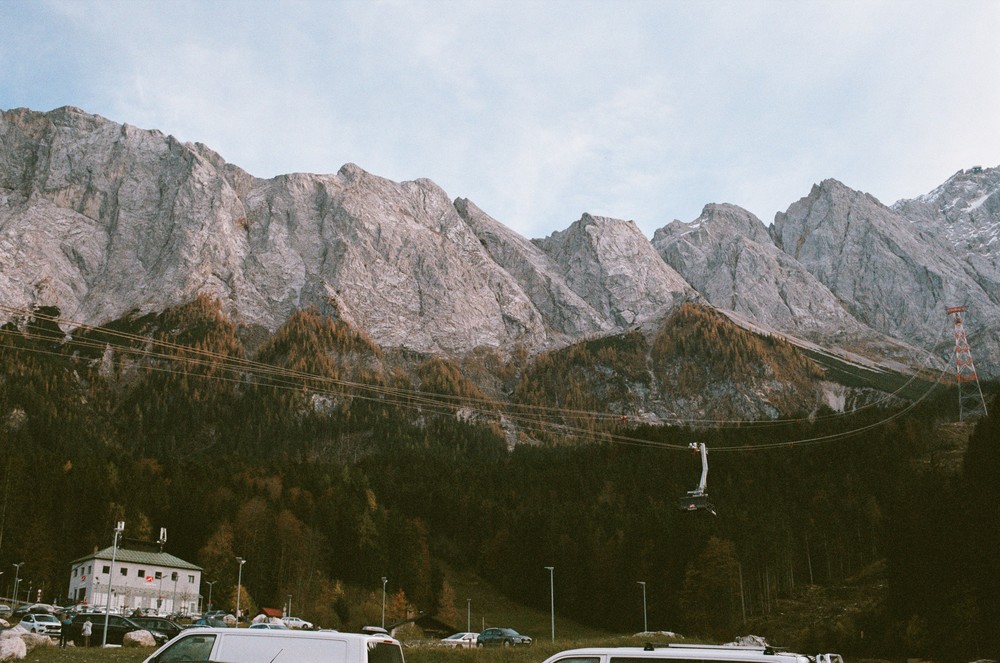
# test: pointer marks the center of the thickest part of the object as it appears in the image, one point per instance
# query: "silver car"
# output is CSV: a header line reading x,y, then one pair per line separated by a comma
x,y
41,623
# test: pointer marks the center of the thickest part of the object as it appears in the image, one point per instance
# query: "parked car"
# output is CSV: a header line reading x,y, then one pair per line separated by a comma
x,y
32,609
166,626
118,626
460,640
41,623
270,625
208,622
690,653
296,622
248,645
501,637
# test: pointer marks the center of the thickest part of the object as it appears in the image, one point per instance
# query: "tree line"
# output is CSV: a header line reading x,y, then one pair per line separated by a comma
x,y
175,420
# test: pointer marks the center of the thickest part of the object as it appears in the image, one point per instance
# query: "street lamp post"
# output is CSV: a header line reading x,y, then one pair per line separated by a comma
x,y
239,588
468,614
645,626
17,579
288,613
119,528
552,598
210,583
173,600
384,580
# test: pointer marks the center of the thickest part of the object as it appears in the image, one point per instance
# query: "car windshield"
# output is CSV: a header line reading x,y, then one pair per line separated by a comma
x,y
509,631
45,618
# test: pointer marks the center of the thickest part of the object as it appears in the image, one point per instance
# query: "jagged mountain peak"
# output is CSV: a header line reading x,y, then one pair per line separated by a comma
x,y
728,256
817,217
965,212
568,316
718,220
98,219
611,265
968,185
135,220
893,274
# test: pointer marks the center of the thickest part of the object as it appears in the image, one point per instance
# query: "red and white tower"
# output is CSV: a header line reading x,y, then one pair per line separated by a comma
x,y
971,403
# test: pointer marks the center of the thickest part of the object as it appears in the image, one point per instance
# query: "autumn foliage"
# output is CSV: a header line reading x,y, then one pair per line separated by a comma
x,y
328,463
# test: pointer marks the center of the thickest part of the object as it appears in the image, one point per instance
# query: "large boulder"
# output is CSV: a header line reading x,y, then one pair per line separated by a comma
x,y
138,639
34,640
12,647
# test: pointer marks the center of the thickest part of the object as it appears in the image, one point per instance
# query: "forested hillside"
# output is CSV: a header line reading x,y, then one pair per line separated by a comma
x,y
329,463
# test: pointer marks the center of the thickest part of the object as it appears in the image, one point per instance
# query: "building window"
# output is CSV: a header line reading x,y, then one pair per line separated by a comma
x,y
159,575
106,569
191,579
124,571
173,576
141,573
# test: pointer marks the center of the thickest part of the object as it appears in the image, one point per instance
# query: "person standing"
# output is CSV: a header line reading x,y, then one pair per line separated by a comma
x,y
86,631
64,625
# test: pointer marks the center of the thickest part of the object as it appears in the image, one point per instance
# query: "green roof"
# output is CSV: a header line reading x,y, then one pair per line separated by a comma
x,y
127,555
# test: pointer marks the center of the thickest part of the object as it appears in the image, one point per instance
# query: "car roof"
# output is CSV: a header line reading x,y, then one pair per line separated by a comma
x,y
283,633
686,652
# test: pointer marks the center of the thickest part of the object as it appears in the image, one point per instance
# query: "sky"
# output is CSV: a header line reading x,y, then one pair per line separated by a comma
x,y
541,110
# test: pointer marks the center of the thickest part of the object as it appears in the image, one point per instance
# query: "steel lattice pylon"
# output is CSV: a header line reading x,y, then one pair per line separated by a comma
x,y
971,404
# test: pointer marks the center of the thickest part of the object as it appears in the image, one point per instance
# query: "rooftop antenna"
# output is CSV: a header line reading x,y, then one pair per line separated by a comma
x,y
971,404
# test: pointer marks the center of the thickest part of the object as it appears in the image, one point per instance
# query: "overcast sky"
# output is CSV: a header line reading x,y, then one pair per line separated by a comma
x,y
539,111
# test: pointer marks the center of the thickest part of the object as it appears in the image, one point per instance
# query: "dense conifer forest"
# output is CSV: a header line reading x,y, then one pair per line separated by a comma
x,y
331,463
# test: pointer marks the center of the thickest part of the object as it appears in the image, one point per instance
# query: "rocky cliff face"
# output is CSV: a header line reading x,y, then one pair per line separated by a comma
x,y
568,316
727,255
893,275
965,210
614,268
100,219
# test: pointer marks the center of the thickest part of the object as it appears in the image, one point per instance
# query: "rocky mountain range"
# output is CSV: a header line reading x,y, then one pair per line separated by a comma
x,y
100,219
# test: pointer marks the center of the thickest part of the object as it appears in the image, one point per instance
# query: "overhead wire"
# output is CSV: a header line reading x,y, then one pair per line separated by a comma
x,y
527,417
235,363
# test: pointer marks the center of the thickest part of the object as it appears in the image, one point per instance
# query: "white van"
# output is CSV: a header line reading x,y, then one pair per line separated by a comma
x,y
685,652
237,645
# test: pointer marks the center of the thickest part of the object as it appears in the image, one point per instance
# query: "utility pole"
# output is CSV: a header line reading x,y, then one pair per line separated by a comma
x,y
645,624
552,598
210,583
119,528
17,579
239,589
384,580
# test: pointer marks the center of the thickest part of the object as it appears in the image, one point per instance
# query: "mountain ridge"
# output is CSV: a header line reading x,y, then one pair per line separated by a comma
x,y
99,219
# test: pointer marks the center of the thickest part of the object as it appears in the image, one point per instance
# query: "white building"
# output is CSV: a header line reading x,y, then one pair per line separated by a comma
x,y
143,577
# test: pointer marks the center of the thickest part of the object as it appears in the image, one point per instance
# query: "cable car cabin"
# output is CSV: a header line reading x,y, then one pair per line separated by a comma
x,y
697,499
696,502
